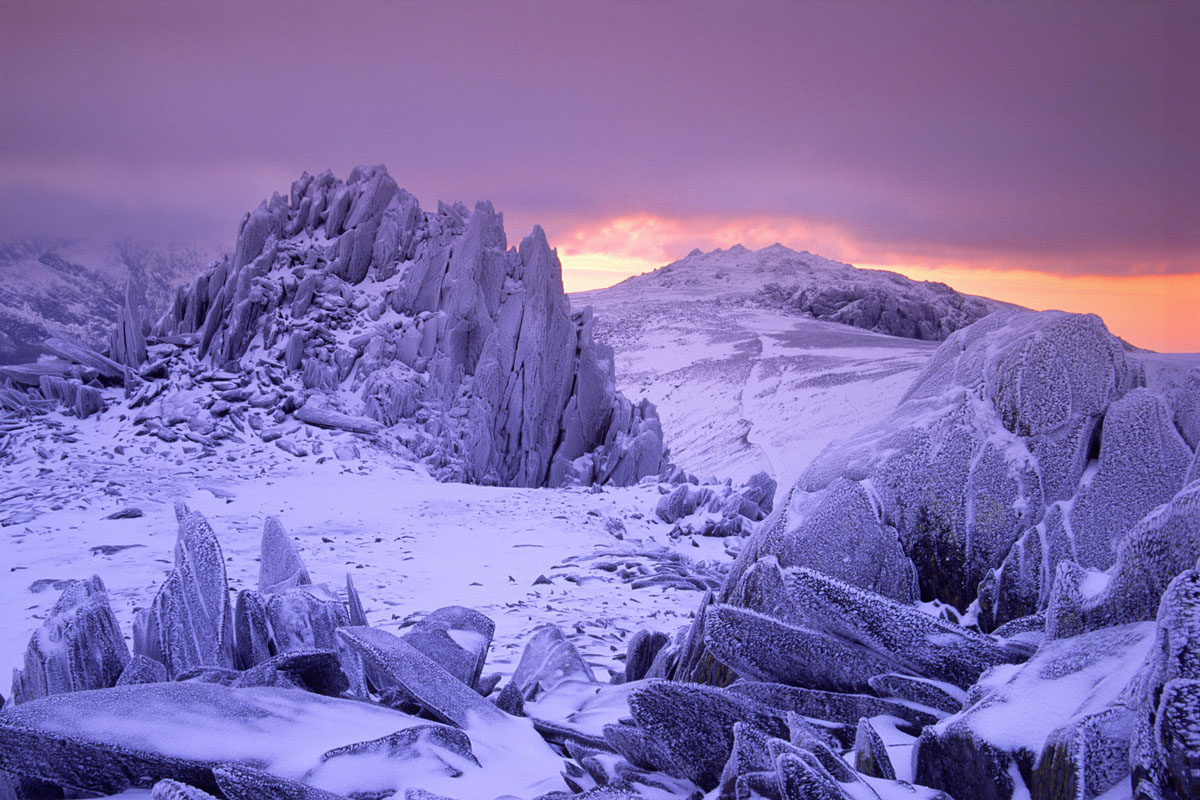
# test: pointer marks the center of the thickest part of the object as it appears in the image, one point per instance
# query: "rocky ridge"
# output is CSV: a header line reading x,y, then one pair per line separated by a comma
x,y
347,307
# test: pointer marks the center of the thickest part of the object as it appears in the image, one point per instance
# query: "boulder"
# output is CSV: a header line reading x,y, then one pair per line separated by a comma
x,y
79,646
1060,723
549,659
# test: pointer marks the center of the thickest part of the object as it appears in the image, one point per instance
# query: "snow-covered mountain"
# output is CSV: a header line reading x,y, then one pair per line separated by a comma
x,y
758,359
78,287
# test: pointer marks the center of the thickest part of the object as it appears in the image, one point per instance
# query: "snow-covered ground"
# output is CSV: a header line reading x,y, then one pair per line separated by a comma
x,y
410,543
741,387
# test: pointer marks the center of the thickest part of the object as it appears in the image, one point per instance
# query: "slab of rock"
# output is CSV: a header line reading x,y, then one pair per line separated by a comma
x,y
108,740
549,658
840,708
760,648
328,418
243,782
933,694
435,688
905,635
190,622
79,646
280,566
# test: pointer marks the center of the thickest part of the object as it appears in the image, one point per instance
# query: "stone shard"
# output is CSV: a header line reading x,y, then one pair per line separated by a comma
x,y
761,648
549,658
905,635
641,651
280,566
933,694
252,632
190,622
437,690
694,725
318,671
142,670
870,753
455,637
78,647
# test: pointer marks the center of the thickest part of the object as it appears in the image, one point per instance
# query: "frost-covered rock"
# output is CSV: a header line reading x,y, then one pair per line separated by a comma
x,y
1165,751
190,622
455,637
1142,463
760,648
870,753
549,659
142,670
1060,724
419,326
694,725
838,708
78,647
998,429
1160,546
433,687
106,741
280,566
904,635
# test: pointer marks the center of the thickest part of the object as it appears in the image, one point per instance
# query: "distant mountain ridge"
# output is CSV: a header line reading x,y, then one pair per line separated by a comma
x,y
78,287
779,277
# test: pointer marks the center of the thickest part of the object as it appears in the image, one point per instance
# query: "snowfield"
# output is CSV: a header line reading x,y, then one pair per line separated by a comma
x,y
410,543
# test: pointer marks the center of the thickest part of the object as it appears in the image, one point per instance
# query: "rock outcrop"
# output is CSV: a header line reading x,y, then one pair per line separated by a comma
x,y
354,309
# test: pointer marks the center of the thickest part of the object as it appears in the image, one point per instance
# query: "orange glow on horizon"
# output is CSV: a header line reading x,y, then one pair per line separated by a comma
x,y
1156,311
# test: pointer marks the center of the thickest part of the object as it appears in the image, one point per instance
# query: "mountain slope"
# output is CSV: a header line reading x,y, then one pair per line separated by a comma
x,y
79,287
743,377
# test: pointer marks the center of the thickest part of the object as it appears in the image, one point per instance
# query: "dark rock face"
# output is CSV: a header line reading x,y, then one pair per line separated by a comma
x,y
1165,751
479,347
694,725
78,647
190,623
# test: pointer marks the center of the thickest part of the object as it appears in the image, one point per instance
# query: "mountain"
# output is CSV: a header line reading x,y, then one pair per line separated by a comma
x,y
757,359
78,287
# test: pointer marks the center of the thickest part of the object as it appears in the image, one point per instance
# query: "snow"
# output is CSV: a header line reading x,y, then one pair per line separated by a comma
x,y
741,388
411,544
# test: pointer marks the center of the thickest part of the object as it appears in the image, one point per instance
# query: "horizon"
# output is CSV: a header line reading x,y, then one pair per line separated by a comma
x,y
1038,154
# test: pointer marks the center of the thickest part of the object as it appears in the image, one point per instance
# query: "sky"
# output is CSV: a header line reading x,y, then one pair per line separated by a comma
x,y
1041,152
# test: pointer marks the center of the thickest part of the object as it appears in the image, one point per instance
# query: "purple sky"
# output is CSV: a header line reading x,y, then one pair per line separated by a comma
x,y
1056,136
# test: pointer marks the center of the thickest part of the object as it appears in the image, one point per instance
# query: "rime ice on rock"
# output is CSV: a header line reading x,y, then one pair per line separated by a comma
x,y
549,659
990,443
280,566
78,647
385,313
190,622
